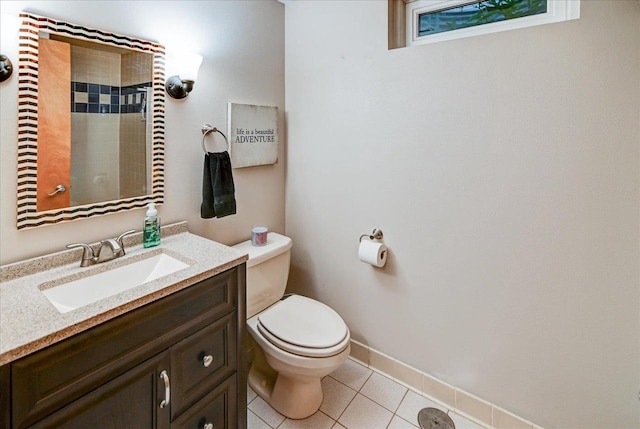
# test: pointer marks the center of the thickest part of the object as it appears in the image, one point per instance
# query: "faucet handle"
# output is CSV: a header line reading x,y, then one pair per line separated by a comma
x,y
88,255
121,236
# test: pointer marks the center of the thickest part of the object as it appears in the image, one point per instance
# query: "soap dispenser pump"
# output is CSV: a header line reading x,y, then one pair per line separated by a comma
x,y
151,228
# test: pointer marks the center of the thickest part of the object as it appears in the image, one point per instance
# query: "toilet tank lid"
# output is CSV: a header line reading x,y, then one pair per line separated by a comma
x,y
276,244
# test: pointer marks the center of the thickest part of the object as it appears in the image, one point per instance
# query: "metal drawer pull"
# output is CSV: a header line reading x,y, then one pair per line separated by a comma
x,y
206,361
208,426
167,389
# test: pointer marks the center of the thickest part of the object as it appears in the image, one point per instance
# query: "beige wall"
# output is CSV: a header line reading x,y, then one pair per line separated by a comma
x,y
243,47
503,170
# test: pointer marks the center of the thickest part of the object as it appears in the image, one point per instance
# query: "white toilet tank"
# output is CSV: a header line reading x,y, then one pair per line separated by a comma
x,y
267,271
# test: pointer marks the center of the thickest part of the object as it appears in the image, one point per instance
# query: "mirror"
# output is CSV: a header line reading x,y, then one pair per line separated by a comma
x,y
90,122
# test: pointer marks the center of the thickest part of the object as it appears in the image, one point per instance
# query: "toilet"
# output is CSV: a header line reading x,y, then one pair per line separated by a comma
x,y
299,340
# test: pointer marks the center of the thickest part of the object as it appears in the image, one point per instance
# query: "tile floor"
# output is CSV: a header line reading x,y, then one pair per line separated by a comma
x,y
355,397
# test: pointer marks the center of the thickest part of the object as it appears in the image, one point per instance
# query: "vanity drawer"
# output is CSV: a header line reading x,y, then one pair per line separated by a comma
x,y
201,361
217,408
51,378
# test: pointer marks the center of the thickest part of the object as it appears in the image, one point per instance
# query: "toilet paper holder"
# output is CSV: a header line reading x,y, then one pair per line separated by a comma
x,y
376,234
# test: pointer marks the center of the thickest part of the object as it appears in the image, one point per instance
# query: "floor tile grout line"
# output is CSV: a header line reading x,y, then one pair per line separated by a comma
x,y
441,405
417,391
359,392
330,418
354,396
398,407
404,420
376,402
379,404
345,409
335,421
394,412
258,416
325,414
401,401
406,392
287,418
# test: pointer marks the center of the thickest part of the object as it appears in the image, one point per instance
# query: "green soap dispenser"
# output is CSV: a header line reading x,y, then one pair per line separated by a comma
x,y
151,228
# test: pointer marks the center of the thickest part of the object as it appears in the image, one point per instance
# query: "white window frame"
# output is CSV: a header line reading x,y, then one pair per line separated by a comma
x,y
557,11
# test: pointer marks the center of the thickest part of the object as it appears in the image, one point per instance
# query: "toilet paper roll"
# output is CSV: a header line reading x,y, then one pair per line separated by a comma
x,y
373,252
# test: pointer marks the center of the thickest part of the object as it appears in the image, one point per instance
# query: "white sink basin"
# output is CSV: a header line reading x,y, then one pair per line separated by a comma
x,y
78,293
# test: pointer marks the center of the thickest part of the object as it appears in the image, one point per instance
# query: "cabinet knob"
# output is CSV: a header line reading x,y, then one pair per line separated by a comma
x,y
206,361
208,426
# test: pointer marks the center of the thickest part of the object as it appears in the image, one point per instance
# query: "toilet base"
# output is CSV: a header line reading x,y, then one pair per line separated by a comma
x,y
296,398
290,398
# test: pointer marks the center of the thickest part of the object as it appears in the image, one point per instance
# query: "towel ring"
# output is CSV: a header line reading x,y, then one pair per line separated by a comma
x,y
206,129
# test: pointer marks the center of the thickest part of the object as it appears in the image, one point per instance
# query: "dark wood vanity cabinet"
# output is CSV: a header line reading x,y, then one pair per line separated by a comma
x,y
178,362
5,403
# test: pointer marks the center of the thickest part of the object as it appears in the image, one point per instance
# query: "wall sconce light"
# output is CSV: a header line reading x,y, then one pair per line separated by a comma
x,y
6,68
186,68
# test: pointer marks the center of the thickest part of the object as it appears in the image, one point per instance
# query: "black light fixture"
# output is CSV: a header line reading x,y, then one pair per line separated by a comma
x,y
181,84
6,68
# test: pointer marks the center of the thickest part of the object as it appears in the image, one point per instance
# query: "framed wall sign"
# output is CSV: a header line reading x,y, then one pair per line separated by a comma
x,y
253,135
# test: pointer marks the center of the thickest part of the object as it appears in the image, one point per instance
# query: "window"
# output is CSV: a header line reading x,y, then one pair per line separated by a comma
x,y
429,21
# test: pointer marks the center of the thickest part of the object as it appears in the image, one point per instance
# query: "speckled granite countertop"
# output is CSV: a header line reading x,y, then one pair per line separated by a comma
x,y
29,322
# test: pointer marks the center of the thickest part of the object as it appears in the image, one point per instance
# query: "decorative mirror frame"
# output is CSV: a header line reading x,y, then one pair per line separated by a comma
x,y
28,215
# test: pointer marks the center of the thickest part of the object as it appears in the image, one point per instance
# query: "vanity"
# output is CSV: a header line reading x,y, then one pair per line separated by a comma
x,y
169,353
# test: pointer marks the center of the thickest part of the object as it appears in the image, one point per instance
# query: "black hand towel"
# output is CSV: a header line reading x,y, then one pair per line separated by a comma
x,y
218,199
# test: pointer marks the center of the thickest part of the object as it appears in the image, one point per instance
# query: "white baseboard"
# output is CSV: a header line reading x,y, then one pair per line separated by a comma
x,y
463,403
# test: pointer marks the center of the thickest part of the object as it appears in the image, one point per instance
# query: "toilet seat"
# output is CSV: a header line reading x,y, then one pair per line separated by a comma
x,y
305,327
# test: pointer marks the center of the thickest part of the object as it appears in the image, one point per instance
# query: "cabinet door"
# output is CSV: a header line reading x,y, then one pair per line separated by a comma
x,y
129,401
5,394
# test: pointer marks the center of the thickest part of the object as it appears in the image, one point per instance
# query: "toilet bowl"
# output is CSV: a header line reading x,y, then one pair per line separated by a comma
x,y
298,340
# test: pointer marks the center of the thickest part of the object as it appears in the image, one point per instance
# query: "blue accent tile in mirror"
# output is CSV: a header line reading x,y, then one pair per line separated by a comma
x,y
96,98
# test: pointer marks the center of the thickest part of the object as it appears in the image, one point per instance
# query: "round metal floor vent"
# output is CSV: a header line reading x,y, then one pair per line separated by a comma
x,y
433,418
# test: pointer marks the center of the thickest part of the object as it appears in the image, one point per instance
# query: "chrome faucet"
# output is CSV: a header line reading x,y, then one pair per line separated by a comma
x,y
88,257
115,247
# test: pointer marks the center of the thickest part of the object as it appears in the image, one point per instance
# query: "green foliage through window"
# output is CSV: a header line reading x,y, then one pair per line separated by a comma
x,y
478,13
